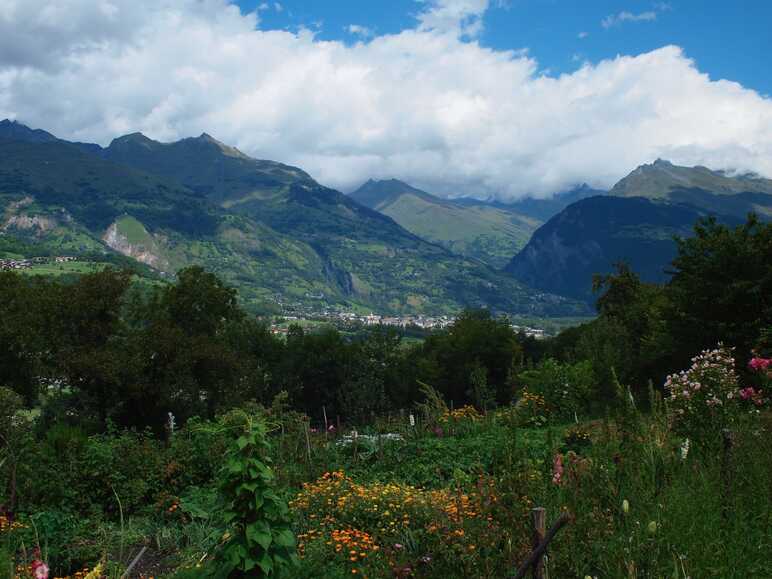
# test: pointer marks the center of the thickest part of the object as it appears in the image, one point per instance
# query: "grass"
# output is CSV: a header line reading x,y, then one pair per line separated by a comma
x,y
71,267
134,231
491,234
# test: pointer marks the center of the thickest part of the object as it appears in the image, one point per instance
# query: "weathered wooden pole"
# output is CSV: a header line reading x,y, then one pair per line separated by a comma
x,y
539,551
539,521
726,471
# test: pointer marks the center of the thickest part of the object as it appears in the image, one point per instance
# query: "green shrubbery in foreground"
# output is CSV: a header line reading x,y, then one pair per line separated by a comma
x,y
163,422
448,497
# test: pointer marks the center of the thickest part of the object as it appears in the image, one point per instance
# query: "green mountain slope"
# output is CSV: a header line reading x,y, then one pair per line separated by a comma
x,y
265,227
492,234
700,187
221,173
55,195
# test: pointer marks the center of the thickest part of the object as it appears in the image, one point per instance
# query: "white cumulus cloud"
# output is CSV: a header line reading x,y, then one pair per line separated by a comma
x,y
359,30
625,16
429,105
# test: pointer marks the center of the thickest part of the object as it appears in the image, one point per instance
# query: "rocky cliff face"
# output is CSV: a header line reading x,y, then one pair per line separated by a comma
x,y
36,223
119,242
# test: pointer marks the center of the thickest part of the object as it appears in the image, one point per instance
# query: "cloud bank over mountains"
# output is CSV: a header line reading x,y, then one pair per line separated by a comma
x,y
429,105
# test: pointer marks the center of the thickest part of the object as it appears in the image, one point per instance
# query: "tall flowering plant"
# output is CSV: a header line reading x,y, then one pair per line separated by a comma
x,y
757,394
706,398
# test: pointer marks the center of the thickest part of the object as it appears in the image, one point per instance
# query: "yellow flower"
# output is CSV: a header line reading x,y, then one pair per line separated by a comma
x,y
95,573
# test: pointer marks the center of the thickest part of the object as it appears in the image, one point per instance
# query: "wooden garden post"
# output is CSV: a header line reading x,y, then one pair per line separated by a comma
x,y
726,471
539,520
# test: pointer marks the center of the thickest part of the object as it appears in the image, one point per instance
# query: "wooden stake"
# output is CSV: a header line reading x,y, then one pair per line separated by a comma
x,y
539,520
726,471
537,553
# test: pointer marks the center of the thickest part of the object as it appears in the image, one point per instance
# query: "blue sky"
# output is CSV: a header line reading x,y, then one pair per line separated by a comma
x,y
480,98
727,39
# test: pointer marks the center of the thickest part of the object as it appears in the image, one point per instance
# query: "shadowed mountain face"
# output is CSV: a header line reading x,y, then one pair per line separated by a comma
x,y
13,131
589,236
635,223
476,229
221,173
265,227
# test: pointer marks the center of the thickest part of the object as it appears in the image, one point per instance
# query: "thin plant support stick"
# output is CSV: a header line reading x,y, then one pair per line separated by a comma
x,y
308,442
120,510
134,562
537,553
326,426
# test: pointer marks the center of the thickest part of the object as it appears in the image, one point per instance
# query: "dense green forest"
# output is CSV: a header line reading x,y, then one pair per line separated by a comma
x,y
139,415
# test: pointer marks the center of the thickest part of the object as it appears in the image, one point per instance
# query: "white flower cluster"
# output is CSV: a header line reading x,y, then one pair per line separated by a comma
x,y
710,379
349,439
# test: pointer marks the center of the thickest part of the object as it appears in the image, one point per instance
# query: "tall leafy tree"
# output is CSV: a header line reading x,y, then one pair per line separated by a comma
x,y
21,346
200,303
85,323
721,289
475,341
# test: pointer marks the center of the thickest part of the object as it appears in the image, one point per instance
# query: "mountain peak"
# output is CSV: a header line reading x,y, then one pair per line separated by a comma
x,y
208,141
134,139
15,131
375,194
662,179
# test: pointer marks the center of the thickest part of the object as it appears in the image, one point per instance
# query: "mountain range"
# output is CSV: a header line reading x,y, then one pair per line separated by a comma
x,y
282,238
265,227
489,231
635,223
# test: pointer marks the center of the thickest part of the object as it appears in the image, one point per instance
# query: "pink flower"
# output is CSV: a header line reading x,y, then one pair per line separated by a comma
x,y
331,428
397,545
557,469
747,393
39,569
759,363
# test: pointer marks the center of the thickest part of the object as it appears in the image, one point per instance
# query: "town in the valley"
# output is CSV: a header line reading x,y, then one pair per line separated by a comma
x,y
280,324
27,263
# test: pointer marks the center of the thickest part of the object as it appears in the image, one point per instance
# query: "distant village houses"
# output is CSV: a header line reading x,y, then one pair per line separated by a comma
x,y
21,264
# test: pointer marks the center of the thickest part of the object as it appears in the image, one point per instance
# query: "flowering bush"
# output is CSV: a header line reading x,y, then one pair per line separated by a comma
x,y
708,397
375,527
464,413
532,409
